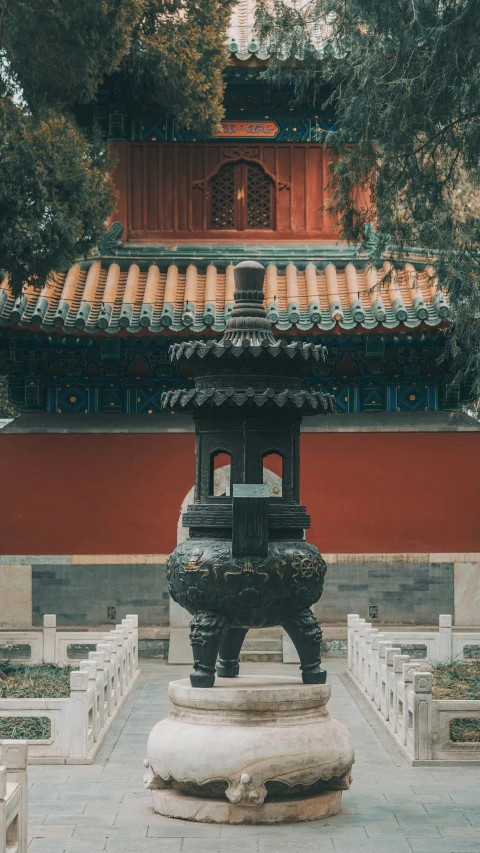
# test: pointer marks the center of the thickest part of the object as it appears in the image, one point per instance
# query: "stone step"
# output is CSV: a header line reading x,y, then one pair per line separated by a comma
x,y
261,656
266,644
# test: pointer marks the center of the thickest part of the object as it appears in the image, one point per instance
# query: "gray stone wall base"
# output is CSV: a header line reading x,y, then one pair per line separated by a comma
x,y
96,591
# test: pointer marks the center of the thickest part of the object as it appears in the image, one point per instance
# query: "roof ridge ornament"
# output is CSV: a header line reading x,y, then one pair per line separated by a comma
x,y
374,243
111,241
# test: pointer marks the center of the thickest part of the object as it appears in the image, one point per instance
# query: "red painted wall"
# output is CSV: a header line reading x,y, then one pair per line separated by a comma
x,y
121,494
164,189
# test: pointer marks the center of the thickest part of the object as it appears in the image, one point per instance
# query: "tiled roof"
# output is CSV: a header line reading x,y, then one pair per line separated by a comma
x,y
105,297
240,38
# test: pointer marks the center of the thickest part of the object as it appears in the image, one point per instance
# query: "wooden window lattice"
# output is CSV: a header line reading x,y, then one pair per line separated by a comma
x,y
259,198
241,198
223,198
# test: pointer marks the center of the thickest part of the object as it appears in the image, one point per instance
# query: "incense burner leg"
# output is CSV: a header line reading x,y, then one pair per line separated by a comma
x,y
306,635
229,656
207,630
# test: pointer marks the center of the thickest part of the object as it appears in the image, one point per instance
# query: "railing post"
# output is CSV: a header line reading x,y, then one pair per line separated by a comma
x,y
3,815
350,620
127,625
386,671
106,649
422,715
99,659
376,639
409,670
357,623
369,635
120,635
397,675
113,641
109,644
134,621
14,757
90,666
362,645
444,638
79,688
49,638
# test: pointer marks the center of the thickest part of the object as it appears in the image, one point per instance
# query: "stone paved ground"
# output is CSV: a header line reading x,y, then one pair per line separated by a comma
x,y
391,807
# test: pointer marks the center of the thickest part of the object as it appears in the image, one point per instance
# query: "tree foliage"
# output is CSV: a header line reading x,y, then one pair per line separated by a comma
x,y
7,408
404,76
179,58
55,195
59,50
171,51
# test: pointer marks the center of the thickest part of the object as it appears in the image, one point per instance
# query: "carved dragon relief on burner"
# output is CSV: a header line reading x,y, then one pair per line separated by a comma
x,y
217,561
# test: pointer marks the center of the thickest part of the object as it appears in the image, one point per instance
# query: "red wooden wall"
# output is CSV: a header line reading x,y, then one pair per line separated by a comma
x,y
164,189
121,494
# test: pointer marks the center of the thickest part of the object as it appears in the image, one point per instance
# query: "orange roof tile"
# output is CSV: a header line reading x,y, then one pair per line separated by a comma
x,y
103,297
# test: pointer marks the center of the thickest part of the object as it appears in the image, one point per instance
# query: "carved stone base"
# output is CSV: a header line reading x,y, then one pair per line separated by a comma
x,y
185,807
254,749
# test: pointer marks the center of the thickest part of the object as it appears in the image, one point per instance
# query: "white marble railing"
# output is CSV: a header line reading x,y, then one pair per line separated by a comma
x,y
400,688
441,645
47,645
13,796
98,689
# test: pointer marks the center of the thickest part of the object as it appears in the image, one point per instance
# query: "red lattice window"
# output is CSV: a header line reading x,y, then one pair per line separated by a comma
x,y
223,197
242,197
259,198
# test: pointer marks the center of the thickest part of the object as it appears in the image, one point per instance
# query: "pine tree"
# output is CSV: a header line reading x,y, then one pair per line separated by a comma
x,y
404,77
55,193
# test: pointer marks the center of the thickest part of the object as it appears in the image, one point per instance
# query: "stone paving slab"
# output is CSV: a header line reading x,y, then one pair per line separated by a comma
x,y
391,807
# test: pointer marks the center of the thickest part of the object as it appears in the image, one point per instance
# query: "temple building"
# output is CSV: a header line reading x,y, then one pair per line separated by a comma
x,y
96,475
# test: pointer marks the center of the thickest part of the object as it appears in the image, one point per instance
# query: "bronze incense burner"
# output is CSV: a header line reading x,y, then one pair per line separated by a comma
x,y
246,563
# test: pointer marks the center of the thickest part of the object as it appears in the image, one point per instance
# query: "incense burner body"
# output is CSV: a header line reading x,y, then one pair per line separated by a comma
x,y
252,592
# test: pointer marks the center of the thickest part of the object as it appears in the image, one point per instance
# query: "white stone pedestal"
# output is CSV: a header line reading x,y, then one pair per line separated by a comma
x,y
252,749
